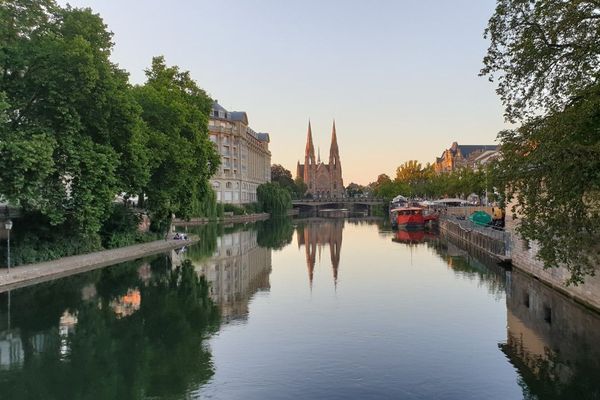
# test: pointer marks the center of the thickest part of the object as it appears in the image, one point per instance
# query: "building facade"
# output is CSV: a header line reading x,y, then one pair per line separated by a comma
x,y
238,269
459,156
322,180
245,156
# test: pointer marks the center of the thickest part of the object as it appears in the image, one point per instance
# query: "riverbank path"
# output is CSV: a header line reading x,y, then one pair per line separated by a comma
x,y
35,273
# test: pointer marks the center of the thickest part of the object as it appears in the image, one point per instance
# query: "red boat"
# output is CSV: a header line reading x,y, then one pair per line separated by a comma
x,y
407,218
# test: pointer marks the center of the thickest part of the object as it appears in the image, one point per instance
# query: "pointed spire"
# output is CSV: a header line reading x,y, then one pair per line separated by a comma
x,y
310,149
334,152
319,156
333,137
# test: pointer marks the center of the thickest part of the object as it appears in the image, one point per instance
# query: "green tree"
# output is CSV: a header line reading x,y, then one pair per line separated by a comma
x,y
543,53
301,187
354,190
175,112
273,198
70,139
410,172
546,55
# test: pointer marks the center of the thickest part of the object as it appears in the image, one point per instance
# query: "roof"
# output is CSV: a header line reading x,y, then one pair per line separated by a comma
x,y
239,116
470,148
217,107
263,137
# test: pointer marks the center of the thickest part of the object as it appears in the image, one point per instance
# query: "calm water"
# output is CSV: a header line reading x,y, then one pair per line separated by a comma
x,y
307,309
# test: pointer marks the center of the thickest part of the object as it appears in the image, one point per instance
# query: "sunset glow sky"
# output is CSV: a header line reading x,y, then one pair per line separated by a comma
x,y
399,77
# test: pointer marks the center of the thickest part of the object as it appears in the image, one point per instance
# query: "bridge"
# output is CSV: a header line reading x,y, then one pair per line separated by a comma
x,y
338,201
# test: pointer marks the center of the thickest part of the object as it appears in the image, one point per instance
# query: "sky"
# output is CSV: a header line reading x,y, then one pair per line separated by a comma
x,y
399,77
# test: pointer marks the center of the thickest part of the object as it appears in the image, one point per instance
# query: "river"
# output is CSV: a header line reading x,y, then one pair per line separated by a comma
x,y
299,309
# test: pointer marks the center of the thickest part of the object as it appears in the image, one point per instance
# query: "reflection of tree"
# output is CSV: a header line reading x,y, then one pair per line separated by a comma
x,y
275,233
463,263
154,352
208,241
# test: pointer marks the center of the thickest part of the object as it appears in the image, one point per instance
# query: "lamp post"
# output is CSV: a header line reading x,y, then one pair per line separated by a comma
x,y
8,226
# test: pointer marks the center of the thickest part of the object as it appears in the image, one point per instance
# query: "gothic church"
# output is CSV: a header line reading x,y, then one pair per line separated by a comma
x,y
322,180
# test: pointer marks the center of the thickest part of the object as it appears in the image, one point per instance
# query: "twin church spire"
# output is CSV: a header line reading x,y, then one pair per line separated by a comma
x,y
309,153
322,180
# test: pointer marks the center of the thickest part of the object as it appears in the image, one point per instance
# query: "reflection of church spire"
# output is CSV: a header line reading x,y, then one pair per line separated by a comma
x,y
310,250
314,235
335,245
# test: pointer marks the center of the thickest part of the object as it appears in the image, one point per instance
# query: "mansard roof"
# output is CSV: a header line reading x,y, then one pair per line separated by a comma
x,y
467,149
263,137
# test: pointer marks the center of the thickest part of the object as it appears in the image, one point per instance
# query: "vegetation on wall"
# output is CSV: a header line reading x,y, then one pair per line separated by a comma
x,y
545,56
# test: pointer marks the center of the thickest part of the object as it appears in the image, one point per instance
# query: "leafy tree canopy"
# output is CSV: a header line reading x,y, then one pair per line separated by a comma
x,y
546,57
273,198
176,113
542,53
70,137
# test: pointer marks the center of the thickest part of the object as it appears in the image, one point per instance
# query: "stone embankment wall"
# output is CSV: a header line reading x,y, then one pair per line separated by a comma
x,y
485,239
523,256
225,219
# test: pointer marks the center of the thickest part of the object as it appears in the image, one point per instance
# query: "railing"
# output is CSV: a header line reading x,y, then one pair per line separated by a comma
x,y
494,240
340,200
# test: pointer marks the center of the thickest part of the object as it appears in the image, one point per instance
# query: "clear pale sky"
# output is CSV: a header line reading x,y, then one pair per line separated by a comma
x,y
399,77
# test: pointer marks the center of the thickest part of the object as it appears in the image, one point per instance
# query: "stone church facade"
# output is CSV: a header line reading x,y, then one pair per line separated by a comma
x,y
322,180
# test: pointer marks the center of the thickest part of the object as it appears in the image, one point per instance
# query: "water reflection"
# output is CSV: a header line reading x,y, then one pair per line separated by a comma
x,y
130,331
414,237
471,266
552,341
144,329
237,268
315,233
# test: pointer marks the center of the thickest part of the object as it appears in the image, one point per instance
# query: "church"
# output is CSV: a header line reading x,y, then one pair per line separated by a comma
x,y
322,180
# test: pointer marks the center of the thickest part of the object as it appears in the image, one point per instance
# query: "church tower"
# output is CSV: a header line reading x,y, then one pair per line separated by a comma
x,y
335,166
322,180
310,163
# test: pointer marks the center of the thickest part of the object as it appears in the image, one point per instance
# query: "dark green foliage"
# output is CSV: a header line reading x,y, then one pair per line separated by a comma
x,y
547,57
70,137
273,198
155,351
175,112
355,190
274,233
252,208
543,53
34,239
121,228
235,209
551,166
283,177
206,205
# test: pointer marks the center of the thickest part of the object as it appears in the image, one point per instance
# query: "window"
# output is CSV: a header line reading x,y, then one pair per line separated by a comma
x,y
228,185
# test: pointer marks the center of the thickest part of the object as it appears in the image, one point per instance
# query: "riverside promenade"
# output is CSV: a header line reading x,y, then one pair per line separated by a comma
x,y
31,274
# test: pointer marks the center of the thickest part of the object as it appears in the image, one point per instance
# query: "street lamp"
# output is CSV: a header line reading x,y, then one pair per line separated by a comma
x,y
8,226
